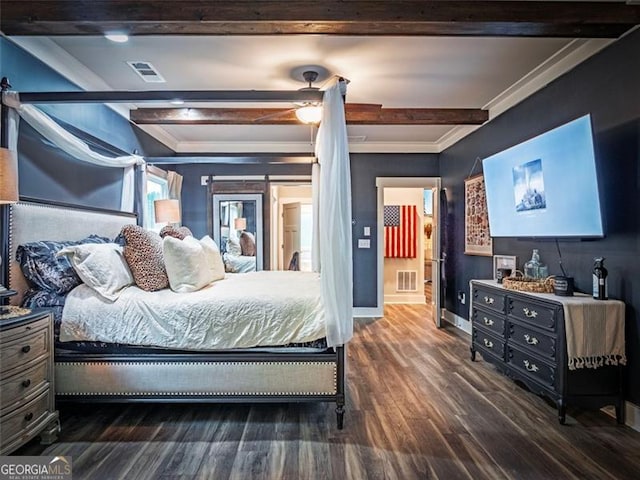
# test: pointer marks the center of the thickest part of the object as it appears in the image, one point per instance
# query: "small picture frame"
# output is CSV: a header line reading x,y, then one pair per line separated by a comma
x,y
504,261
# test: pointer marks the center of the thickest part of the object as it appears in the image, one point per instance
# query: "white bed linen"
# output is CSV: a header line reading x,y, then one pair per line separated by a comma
x,y
265,308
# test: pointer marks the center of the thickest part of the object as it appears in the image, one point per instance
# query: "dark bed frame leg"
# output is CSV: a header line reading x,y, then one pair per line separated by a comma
x,y
340,394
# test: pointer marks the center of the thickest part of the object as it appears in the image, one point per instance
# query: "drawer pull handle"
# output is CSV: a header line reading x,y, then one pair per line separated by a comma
x,y
489,300
26,383
488,343
529,313
26,349
530,340
488,321
28,416
531,367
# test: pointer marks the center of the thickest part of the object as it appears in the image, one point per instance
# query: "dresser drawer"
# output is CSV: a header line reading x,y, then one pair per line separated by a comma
x,y
489,298
22,385
19,422
17,350
490,322
485,342
533,365
539,343
535,313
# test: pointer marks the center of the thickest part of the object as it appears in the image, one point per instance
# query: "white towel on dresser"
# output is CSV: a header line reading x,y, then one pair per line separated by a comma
x,y
595,332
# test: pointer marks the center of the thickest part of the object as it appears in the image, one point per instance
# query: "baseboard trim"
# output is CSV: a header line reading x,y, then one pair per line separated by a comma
x,y
457,321
368,312
631,415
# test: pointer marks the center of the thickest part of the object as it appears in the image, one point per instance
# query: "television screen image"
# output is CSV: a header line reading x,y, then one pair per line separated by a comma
x,y
546,186
528,186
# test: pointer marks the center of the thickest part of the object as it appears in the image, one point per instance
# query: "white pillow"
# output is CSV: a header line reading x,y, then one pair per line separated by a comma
x,y
101,266
213,257
190,263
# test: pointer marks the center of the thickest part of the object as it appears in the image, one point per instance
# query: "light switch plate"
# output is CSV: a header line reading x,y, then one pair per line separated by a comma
x,y
367,231
364,243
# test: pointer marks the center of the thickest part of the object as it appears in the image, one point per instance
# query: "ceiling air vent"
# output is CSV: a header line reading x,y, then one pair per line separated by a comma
x,y
147,72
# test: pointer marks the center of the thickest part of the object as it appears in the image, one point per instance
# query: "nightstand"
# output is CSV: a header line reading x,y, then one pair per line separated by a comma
x,y
27,407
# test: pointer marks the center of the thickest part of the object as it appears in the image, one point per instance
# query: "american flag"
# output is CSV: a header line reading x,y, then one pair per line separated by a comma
x,y
400,226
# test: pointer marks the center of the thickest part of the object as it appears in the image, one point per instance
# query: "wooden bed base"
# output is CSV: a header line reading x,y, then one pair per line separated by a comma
x,y
220,377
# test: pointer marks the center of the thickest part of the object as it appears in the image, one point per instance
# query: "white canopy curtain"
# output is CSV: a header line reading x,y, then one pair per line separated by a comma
x,y
69,143
336,277
174,182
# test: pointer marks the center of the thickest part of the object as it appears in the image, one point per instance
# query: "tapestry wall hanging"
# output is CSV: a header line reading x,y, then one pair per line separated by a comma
x,y
477,240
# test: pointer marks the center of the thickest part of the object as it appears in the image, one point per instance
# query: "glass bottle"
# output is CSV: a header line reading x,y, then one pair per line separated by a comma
x,y
600,290
534,268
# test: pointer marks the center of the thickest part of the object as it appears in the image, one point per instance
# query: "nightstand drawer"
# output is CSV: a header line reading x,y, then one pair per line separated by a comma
x,y
15,389
532,312
16,351
21,421
489,298
539,343
485,342
534,367
488,321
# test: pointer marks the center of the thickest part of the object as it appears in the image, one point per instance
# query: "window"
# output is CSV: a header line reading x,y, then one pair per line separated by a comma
x,y
157,189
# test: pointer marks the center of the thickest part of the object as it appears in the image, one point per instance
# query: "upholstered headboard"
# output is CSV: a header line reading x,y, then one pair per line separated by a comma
x,y
34,221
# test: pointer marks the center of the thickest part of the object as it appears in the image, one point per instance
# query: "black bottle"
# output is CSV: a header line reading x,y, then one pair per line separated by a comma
x,y
600,290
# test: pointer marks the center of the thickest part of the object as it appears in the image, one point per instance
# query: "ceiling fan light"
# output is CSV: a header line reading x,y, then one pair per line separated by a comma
x,y
309,114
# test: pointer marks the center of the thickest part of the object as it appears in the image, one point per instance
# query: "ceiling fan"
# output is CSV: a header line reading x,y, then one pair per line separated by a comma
x,y
308,112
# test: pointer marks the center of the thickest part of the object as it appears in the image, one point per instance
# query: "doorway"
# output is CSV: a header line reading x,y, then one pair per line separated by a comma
x,y
408,210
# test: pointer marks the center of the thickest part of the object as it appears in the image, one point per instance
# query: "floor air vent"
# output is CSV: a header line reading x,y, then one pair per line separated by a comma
x,y
407,281
147,72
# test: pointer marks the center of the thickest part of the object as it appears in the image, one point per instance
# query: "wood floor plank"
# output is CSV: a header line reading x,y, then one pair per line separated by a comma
x,y
417,408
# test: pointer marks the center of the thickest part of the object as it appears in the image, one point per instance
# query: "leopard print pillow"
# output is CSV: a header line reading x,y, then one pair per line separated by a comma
x,y
180,232
143,253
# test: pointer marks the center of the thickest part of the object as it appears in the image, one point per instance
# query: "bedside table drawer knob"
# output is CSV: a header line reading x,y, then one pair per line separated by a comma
x,y
530,340
489,300
488,343
531,367
26,349
26,383
488,321
529,313
28,417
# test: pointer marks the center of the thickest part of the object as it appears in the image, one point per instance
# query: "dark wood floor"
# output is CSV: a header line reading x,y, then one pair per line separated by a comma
x,y
417,408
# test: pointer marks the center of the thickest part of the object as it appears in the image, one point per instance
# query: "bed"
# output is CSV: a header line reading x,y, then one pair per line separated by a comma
x,y
125,374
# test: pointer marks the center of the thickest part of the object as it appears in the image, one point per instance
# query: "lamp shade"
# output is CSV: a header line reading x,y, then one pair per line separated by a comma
x,y
8,176
309,114
240,223
167,211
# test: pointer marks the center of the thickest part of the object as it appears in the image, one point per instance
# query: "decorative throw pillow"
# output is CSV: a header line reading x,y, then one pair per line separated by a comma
x,y
188,262
101,267
248,244
213,258
143,253
233,246
44,270
176,232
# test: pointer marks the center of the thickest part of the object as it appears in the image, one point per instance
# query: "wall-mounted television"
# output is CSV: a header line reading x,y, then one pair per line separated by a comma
x,y
546,186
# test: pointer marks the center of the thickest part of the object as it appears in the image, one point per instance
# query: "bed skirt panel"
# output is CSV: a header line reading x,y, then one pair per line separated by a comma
x,y
191,379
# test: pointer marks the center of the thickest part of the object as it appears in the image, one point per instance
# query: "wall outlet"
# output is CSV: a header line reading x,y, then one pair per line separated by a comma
x,y
364,243
462,297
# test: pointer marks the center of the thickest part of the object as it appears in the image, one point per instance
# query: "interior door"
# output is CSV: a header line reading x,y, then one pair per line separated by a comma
x,y
291,215
436,302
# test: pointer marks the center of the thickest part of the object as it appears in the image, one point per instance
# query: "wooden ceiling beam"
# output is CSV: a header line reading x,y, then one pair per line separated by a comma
x,y
355,115
331,17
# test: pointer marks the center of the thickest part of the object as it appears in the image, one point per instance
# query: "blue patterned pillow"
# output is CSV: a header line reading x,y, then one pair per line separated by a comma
x,y
44,270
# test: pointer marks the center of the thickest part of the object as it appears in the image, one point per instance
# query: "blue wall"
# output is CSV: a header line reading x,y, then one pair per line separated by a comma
x,y
607,86
48,173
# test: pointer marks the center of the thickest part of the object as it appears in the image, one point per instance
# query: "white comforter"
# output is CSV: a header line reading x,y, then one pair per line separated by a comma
x,y
265,308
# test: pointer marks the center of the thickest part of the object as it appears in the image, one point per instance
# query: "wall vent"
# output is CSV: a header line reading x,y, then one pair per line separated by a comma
x,y
146,71
407,281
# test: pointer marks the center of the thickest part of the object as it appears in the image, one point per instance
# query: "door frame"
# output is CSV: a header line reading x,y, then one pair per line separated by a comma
x,y
408,182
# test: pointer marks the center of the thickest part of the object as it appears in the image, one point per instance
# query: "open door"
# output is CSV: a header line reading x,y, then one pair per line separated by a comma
x,y
291,219
436,261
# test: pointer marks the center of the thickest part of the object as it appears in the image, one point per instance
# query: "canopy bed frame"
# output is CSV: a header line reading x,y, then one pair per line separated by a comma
x,y
217,377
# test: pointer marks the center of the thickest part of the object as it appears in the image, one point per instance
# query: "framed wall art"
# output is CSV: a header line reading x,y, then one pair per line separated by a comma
x,y
477,240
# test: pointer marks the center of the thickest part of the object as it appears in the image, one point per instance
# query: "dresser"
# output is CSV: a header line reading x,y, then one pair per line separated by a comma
x,y
524,336
27,406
